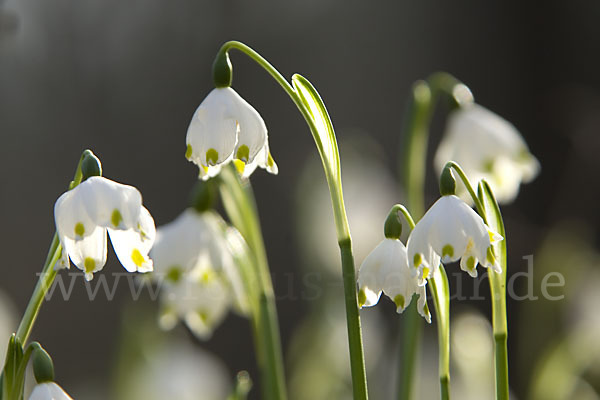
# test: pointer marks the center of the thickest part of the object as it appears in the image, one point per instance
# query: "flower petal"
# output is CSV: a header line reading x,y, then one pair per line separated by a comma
x,y
88,254
48,391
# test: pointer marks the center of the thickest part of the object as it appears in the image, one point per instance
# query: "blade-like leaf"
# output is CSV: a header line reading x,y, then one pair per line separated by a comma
x,y
324,136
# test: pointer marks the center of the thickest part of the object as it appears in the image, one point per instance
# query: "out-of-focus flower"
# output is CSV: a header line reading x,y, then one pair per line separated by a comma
x,y
487,147
196,269
225,128
386,269
451,230
177,370
49,391
83,216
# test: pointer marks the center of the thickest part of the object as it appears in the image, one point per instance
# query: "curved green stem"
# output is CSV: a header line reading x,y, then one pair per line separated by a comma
x,y
48,273
465,180
424,97
312,108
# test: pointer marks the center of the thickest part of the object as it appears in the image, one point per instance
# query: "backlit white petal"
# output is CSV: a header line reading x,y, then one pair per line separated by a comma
x,y
48,391
111,204
71,217
88,254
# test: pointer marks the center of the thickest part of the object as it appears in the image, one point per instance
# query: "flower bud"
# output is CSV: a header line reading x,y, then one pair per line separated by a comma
x,y
447,182
392,228
43,367
222,70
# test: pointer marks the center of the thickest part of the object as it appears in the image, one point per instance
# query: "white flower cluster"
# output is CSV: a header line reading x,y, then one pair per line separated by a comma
x,y
449,231
195,267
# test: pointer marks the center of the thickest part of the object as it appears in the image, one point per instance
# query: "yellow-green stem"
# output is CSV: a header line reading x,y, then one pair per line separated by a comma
x,y
357,363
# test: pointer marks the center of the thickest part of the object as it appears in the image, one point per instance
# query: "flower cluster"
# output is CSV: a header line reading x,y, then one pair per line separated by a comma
x,y
226,128
449,231
195,266
98,205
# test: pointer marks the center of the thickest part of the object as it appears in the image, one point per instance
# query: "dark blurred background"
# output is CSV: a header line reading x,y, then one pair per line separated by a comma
x,y
124,77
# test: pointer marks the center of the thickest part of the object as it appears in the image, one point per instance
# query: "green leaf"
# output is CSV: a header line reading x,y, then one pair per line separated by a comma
x,y
441,298
493,218
324,136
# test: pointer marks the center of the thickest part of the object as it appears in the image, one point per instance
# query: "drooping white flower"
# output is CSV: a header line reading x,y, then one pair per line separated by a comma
x,y
83,216
225,128
487,147
451,230
197,273
48,391
386,269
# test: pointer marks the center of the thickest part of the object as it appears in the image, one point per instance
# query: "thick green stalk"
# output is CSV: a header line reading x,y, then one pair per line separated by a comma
x,y
315,114
441,297
420,110
241,208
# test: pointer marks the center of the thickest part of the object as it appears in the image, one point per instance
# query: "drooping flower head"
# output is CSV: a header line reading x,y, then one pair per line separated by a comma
x,y
196,271
487,147
225,128
386,270
83,216
451,230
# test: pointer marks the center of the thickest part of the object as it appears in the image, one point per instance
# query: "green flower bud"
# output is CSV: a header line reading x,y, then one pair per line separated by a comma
x,y
90,166
222,70
392,228
43,367
447,182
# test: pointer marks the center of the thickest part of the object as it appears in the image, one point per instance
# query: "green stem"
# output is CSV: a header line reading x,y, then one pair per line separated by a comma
x,y
241,208
424,97
441,297
44,282
493,218
357,363
48,273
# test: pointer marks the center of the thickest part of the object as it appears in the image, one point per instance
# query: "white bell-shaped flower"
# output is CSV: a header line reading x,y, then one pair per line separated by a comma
x,y
83,216
487,147
48,391
451,230
197,273
226,128
386,269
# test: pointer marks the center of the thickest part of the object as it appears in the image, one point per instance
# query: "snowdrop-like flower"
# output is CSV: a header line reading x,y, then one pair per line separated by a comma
x,y
451,230
225,128
196,270
487,147
48,391
386,269
83,216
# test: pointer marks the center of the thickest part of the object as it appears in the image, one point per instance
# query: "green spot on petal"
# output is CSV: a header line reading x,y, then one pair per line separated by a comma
x,y
425,273
399,301
89,265
79,229
417,260
448,251
188,151
203,315
239,166
426,309
488,166
212,156
470,263
243,153
270,161
174,274
116,218
137,257
362,297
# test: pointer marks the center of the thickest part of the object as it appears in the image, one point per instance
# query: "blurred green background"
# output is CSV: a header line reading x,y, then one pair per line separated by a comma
x,y
123,77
